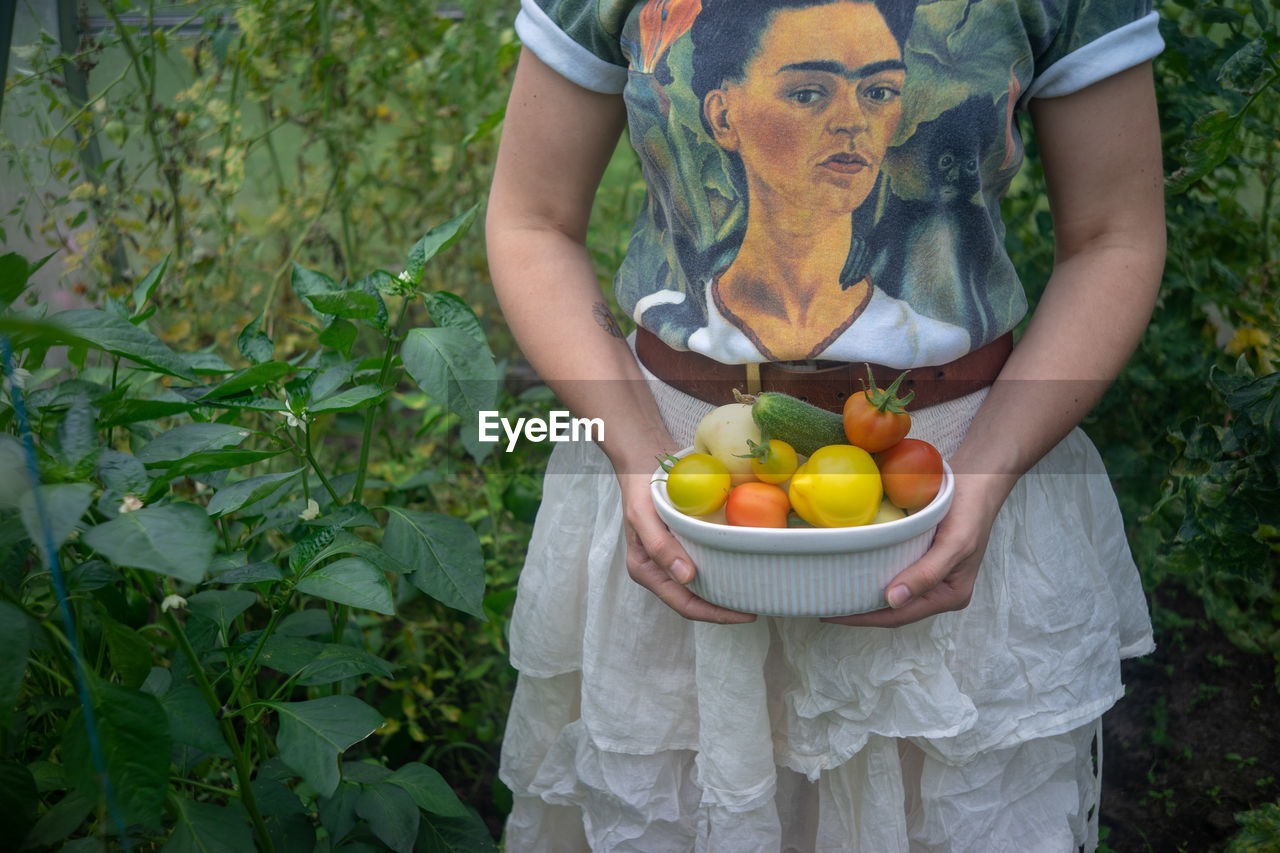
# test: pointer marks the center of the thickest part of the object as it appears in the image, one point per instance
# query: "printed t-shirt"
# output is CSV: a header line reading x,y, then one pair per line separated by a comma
x,y
813,170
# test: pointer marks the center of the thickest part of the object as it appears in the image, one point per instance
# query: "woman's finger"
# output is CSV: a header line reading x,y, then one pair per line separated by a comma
x,y
679,597
657,561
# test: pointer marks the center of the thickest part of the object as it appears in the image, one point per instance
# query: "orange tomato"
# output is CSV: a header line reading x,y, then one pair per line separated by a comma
x,y
757,505
911,471
876,419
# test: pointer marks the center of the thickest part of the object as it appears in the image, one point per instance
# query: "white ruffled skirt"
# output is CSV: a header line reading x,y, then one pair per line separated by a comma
x,y
632,729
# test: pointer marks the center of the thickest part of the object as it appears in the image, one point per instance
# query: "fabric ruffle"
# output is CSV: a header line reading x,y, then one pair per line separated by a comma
x,y
672,735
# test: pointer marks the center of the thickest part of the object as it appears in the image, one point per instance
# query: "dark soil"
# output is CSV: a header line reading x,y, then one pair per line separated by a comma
x,y
1195,741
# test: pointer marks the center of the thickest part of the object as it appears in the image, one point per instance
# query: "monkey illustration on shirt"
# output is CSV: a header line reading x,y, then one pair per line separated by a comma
x,y
935,251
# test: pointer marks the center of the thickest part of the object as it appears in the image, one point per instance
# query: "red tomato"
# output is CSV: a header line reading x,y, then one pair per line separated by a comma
x,y
912,473
757,505
875,419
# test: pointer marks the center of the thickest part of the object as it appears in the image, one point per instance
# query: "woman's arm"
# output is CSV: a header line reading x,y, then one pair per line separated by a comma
x,y
556,141
1101,152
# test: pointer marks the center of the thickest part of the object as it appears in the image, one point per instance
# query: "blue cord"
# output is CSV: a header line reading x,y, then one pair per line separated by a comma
x,y
60,588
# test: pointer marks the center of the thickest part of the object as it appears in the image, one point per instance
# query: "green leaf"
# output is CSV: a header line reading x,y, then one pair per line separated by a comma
x,y
191,723
221,606
1212,140
369,285
118,336
347,304
454,835
134,733
254,404
251,573
306,282
429,790
75,443
436,241
238,495
348,543
1246,69
352,581
338,812
90,576
335,662
391,814
305,549
20,802
325,382
133,410
340,334
254,344
144,288
380,281
487,126
208,828
288,654
1212,14
15,639
217,460
174,539
205,362
315,732
450,310
61,820
189,439
444,553
14,274
273,795
129,651
15,479
348,399
249,378
1261,14
64,506
453,369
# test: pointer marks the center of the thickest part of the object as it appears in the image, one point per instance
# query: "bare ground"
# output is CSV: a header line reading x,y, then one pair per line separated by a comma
x,y
1195,741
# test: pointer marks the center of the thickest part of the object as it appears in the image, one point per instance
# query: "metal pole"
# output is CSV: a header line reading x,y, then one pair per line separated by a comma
x,y
69,32
8,13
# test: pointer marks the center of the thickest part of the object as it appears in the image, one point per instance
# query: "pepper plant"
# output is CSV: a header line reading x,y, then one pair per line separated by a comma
x,y
190,583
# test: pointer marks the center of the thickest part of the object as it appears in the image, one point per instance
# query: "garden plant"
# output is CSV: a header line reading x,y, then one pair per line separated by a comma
x,y
188,651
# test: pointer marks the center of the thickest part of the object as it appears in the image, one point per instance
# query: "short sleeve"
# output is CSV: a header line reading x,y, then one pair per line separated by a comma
x,y
1093,40
577,38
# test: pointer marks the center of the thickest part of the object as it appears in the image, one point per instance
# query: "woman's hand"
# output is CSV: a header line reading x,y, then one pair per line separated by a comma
x,y
944,577
656,560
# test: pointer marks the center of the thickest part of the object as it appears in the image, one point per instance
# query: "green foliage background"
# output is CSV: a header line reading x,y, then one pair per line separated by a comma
x,y
233,146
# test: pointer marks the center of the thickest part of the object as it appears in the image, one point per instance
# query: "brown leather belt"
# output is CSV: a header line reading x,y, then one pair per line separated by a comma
x,y
823,383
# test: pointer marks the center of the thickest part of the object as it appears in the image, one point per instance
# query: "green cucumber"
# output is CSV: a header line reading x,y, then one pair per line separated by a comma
x,y
802,425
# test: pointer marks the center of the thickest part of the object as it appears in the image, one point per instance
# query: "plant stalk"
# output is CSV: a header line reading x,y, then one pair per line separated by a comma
x,y
244,773
371,413
170,171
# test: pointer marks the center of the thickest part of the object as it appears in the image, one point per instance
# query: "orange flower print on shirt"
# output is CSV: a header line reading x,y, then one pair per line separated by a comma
x,y
662,22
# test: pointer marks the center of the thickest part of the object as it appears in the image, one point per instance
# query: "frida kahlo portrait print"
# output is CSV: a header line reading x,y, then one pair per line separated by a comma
x,y
824,177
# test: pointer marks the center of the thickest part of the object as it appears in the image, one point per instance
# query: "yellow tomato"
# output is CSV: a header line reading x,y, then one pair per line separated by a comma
x,y
838,487
774,462
698,484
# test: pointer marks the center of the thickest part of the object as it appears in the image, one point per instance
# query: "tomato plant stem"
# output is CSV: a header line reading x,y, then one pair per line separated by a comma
x,y
244,773
324,481
371,413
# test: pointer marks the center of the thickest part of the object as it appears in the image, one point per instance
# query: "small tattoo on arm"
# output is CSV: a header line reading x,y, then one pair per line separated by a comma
x,y
601,312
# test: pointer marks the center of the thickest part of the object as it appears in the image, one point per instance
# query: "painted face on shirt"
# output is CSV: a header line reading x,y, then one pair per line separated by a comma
x,y
813,115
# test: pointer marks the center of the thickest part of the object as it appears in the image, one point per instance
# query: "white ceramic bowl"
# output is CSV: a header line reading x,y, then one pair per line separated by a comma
x,y
801,571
